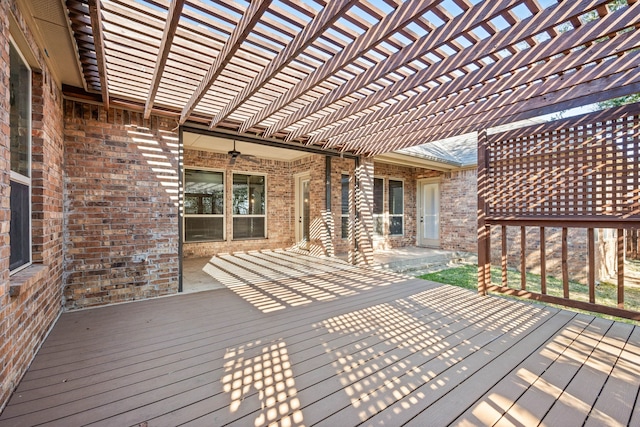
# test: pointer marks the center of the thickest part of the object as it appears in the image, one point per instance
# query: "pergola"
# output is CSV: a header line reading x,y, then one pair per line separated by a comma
x,y
363,76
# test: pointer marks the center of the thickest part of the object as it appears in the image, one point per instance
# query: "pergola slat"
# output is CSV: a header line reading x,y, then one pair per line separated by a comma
x,y
311,32
591,90
479,13
529,58
387,26
240,33
515,34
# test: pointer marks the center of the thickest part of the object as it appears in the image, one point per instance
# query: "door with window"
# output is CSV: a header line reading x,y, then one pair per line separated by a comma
x,y
429,214
303,213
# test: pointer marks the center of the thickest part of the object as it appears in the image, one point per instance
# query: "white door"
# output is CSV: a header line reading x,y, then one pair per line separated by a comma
x,y
429,215
303,213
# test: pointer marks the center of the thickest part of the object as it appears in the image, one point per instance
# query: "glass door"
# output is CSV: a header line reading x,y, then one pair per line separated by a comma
x,y
304,213
429,215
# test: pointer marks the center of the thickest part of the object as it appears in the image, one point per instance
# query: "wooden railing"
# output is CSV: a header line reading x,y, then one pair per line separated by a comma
x,y
567,299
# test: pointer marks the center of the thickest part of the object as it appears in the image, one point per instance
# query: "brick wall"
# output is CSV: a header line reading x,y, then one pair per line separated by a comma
x,y
280,203
121,207
30,300
459,211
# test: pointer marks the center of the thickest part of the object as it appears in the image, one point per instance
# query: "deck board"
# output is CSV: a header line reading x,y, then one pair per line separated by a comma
x,y
498,399
345,346
532,406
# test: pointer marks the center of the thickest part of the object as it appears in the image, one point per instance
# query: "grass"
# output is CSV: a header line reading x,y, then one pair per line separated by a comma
x,y
466,276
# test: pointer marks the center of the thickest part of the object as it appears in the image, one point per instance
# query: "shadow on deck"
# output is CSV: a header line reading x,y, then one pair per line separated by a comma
x,y
322,345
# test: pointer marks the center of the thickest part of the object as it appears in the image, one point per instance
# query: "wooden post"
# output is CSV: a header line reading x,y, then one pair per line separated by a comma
x,y
565,267
523,258
543,263
592,265
505,278
484,232
620,268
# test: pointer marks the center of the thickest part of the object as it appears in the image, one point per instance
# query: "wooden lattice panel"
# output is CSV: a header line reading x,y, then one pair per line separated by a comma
x,y
581,167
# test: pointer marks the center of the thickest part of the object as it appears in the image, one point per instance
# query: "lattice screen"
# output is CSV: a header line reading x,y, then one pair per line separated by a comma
x,y
586,166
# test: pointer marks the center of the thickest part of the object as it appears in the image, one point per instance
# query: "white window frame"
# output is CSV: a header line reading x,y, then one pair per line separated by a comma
x,y
342,214
382,215
19,178
266,207
390,215
224,205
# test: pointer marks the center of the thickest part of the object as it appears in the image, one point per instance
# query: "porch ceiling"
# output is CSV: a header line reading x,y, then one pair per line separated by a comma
x,y
365,76
224,145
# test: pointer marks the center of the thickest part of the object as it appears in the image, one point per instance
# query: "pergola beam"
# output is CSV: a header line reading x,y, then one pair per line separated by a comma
x,y
481,12
325,18
171,25
98,42
404,14
240,32
516,33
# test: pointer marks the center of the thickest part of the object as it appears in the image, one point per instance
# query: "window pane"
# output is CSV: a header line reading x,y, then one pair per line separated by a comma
x,y
248,195
378,197
256,195
378,224
204,192
345,227
396,197
20,119
240,195
19,230
345,194
247,228
395,225
198,229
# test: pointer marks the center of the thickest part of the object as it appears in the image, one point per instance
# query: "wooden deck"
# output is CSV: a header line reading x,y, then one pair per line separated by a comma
x,y
332,347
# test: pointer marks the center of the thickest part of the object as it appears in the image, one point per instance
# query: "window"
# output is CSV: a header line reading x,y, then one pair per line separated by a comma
x,y
249,206
378,206
203,205
344,181
20,180
396,207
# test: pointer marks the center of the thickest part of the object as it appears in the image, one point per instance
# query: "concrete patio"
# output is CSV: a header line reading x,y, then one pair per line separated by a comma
x,y
207,273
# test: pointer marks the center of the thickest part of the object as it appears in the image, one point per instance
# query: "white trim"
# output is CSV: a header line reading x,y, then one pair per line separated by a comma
x,y
298,178
389,214
420,240
15,176
349,207
224,204
380,215
266,206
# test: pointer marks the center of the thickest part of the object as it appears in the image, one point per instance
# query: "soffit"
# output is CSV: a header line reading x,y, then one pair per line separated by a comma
x,y
49,23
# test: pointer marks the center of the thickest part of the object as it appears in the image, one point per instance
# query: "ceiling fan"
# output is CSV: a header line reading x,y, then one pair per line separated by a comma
x,y
235,154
